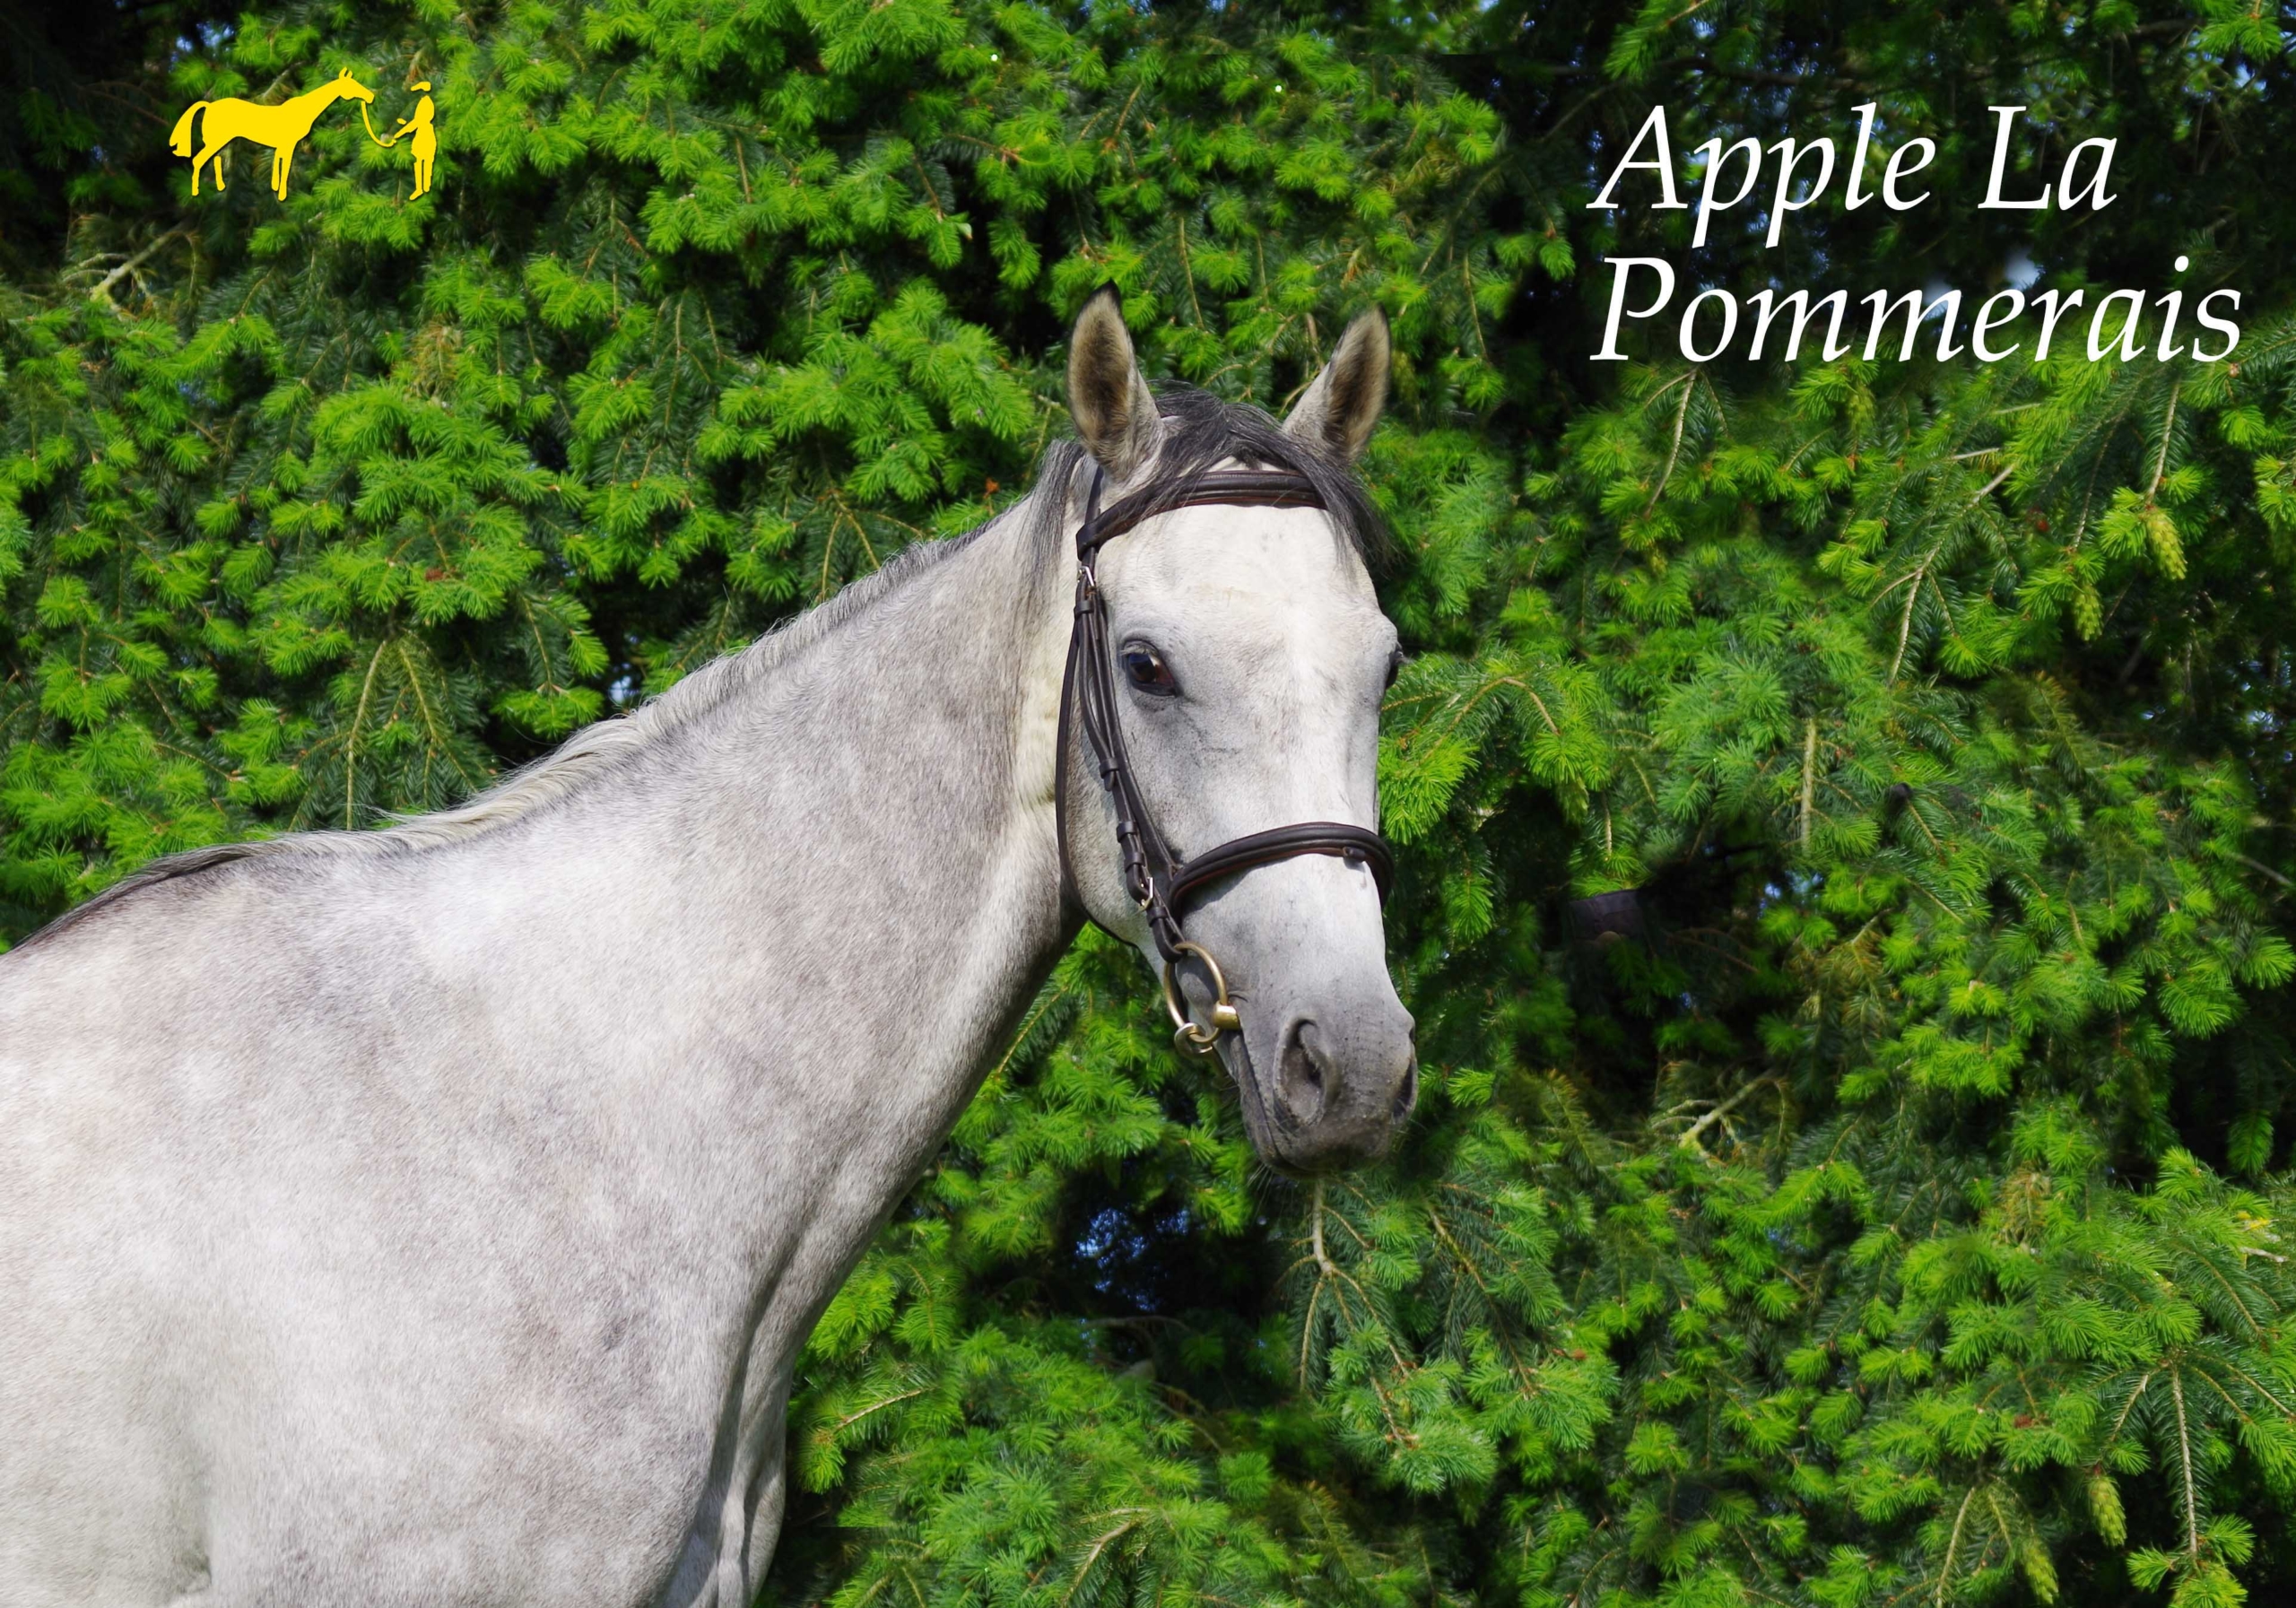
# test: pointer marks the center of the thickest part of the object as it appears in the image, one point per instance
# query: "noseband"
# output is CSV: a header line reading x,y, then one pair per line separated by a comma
x,y
1163,885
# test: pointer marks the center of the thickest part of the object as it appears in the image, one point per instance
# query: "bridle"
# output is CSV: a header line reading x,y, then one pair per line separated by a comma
x,y
1161,885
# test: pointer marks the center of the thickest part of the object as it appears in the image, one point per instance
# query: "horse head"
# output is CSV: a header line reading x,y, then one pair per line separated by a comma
x,y
1249,661
345,86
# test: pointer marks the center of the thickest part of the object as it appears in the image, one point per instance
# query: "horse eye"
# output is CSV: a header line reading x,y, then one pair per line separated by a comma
x,y
1148,671
1394,666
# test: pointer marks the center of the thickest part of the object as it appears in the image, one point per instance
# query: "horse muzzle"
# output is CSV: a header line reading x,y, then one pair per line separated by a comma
x,y
1325,1085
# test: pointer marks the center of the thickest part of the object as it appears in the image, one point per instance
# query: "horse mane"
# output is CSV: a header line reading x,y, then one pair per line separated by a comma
x,y
1200,433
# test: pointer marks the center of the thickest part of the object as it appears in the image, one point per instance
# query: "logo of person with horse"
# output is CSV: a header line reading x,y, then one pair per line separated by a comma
x,y
282,126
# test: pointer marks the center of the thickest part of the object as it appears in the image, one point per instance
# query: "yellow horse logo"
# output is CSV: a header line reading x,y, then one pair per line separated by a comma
x,y
278,126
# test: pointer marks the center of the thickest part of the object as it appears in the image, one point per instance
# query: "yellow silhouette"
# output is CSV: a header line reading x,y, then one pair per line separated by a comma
x,y
278,126
425,137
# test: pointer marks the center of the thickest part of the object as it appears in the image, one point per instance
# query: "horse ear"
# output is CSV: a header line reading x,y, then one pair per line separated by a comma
x,y
1341,408
1114,409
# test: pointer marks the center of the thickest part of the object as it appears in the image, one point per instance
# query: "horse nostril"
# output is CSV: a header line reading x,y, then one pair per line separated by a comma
x,y
1299,1075
1407,1096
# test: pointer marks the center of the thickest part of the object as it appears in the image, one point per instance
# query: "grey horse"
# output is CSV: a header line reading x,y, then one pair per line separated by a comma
x,y
432,1216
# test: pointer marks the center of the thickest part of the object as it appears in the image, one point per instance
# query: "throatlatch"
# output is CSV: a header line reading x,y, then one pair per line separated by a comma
x,y
1159,885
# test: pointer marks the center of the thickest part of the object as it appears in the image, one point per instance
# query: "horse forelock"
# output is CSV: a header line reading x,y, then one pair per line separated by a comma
x,y
1201,433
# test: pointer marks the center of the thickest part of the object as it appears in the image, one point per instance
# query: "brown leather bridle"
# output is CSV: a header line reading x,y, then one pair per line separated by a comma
x,y
1160,884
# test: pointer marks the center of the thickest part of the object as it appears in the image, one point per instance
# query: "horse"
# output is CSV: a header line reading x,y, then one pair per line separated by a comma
x,y
277,126
433,1214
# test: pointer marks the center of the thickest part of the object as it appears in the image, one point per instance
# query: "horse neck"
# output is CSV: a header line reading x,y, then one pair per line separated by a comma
x,y
843,876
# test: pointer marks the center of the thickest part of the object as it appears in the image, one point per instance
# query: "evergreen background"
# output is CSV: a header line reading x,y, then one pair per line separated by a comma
x,y
1884,1205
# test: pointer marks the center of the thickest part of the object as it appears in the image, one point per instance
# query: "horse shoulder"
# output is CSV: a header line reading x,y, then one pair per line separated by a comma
x,y
225,1101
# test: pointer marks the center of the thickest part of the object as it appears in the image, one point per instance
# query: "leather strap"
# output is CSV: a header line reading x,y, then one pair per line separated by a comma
x,y
1156,881
1350,843
1243,488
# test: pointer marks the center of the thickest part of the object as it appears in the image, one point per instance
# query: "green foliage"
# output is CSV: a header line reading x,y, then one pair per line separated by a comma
x,y
1877,1205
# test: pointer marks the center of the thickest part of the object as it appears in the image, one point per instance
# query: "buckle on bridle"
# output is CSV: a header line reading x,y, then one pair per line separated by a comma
x,y
1187,1035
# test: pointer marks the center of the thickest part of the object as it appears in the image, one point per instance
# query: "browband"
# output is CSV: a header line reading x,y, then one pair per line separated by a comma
x,y
1246,488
